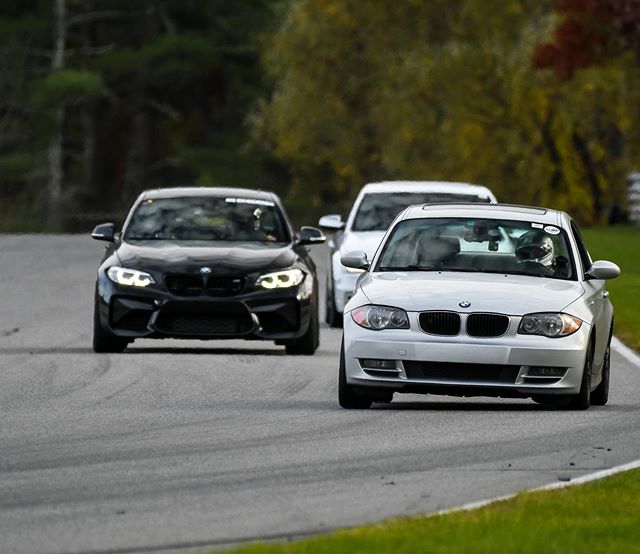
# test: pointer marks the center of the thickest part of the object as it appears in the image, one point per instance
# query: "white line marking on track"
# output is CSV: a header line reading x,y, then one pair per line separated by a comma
x,y
627,353
634,359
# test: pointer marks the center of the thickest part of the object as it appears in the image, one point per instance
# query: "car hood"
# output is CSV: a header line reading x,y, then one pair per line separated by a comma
x,y
367,241
508,294
222,258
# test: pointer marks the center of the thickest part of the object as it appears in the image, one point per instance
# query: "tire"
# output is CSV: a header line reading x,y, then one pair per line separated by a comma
x,y
308,343
581,401
104,342
600,395
332,317
347,397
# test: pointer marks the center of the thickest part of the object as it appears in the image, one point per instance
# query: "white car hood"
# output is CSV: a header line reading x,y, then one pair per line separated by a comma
x,y
499,293
367,241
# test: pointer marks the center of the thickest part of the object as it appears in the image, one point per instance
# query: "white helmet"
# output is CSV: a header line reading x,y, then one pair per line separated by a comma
x,y
535,246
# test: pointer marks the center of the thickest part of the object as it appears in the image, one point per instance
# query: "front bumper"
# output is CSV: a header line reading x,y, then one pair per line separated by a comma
x,y
503,366
278,314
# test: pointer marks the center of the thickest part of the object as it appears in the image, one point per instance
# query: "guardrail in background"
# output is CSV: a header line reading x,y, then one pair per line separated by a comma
x,y
633,197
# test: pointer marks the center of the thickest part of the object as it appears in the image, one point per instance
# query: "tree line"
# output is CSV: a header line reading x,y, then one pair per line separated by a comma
x,y
537,99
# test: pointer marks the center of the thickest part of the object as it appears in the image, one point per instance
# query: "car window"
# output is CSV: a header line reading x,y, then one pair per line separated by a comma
x,y
585,258
378,210
478,245
207,218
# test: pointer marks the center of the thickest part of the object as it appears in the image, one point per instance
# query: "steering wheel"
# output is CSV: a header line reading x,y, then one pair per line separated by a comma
x,y
535,268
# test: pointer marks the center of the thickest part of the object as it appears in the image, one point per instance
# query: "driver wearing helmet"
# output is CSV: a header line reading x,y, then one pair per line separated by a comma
x,y
536,247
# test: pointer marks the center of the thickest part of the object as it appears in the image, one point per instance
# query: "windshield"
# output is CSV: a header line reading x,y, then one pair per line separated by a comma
x,y
478,245
377,211
207,218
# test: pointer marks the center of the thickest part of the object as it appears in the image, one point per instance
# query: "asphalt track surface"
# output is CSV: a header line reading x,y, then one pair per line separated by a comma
x,y
186,445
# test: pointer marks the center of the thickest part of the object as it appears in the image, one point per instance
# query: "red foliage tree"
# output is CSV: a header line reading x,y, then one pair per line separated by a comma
x,y
590,33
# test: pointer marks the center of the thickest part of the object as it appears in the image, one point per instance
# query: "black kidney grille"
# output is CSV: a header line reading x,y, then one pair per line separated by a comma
x,y
222,285
487,325
440,323
184,285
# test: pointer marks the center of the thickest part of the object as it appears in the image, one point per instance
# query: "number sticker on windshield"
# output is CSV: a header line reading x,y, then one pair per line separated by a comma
x,y
552,230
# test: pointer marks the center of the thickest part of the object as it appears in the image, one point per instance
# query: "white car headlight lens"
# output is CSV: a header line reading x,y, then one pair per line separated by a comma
x,y
129,277
380,317
549,325
281,279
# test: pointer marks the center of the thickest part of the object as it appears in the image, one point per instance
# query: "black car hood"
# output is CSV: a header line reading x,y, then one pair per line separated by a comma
x,y
190,256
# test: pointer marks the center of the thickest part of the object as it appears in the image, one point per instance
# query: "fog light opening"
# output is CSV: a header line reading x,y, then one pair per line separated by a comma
x,y
544,371
378,364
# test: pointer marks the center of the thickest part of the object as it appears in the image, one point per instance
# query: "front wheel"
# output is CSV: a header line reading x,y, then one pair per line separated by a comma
x,y
347,397
600,395
582,400
308,343
104,342
332,317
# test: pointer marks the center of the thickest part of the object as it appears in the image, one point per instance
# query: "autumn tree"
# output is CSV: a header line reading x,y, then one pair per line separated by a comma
x,y
367,91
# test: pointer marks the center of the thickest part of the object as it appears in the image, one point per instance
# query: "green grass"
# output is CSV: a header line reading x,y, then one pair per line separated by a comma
x,y
603,516
621,245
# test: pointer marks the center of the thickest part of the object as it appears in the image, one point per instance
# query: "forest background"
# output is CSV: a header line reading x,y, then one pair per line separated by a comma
x,y
100,99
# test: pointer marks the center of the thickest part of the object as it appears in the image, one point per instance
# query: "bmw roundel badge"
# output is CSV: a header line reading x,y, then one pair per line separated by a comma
x,y
464,304
205,270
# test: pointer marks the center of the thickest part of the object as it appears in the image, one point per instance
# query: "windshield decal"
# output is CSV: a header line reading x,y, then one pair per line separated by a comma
x,y
552,230
253,201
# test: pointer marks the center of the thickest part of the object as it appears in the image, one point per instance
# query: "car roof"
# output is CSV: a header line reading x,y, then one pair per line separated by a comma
x,y
428,186
493,211
181,192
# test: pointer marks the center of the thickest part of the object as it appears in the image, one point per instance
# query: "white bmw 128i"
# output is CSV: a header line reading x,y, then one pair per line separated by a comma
x,y
479,300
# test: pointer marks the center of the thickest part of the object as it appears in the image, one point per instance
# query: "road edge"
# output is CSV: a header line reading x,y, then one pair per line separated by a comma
x,y
634,359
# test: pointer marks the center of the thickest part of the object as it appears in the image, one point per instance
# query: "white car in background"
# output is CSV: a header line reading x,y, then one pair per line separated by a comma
x,y
375,208
485,300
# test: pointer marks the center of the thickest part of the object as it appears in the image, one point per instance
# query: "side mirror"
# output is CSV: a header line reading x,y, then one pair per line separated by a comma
x,y
310,235
603,270
355,260
104,231
331,222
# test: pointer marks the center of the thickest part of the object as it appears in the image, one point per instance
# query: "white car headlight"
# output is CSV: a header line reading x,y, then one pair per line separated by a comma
x,y
129,277
380,317
549,324
284,279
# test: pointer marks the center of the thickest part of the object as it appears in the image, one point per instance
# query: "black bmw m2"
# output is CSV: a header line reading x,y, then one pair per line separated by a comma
x,y
207,263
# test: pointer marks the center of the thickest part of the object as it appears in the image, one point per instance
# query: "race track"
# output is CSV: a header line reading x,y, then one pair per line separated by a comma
x,y
188,445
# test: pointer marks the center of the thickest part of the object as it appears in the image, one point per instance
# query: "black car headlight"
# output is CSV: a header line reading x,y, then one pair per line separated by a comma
x,y
284,279
129,277
380,317
549,324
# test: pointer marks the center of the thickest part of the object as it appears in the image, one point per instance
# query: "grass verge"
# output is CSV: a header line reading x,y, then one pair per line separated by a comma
x,y
602,516
621,244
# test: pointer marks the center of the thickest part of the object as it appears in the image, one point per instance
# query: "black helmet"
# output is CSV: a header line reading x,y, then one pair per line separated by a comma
x,y
535,246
